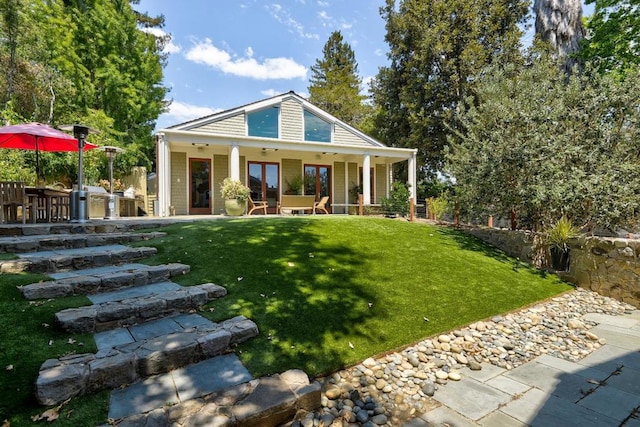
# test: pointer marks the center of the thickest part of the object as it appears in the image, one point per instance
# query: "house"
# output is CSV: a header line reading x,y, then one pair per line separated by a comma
x,y
271,145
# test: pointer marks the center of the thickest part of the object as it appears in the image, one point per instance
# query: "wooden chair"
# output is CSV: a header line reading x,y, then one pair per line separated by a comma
x,y
5,204
321,205
14,197
257,206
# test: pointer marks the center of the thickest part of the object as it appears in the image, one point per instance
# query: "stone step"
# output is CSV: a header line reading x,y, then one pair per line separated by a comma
x,y
194,398
75,259
92,226
101,279
114,367
121,308
22,244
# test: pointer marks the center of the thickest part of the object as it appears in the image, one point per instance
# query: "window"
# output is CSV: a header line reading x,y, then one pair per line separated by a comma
x,y
316,129
263,123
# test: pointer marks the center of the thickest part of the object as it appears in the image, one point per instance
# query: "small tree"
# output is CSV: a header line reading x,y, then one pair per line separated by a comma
x,y
398,201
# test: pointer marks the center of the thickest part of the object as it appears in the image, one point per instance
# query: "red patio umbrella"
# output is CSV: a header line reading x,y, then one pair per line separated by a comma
x,y
38,137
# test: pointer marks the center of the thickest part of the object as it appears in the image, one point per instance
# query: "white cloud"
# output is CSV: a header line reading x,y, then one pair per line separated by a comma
x,y
269,92
284,17
169,47
323,3
206,53
182,112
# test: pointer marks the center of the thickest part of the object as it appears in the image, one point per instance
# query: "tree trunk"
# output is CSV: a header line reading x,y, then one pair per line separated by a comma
x,y
559,22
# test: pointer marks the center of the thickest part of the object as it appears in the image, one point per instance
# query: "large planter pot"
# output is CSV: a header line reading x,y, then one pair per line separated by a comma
x,y
234,207
559,259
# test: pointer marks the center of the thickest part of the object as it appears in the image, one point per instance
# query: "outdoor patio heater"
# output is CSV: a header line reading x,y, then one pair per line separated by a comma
x,y
79,197
112,201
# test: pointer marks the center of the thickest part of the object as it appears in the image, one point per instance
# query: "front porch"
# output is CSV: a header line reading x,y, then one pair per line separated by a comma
x,y
198,169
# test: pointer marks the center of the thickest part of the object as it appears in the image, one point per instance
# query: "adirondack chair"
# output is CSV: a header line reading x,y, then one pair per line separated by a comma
x,y
321,205
257,206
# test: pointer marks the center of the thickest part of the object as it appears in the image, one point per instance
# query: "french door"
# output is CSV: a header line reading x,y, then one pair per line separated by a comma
x,y
264,182
317,181
199,186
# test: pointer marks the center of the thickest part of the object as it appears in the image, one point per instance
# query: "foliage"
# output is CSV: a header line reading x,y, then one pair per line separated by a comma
x,y
354,192
436,48
294,186
92,62
233,189
117,185
398,201
613,40
559,234
434,186
547,145
335,83
438,206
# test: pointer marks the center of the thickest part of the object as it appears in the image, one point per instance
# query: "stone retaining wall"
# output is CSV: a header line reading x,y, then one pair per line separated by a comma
x,y
524,245
607,265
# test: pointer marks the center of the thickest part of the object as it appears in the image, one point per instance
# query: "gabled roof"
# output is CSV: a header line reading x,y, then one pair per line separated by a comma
x,y
268,102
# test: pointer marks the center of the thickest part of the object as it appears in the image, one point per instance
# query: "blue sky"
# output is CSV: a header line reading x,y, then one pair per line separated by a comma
x,y
226,53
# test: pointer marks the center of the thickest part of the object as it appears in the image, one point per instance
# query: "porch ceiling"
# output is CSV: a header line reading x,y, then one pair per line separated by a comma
x,y
269,148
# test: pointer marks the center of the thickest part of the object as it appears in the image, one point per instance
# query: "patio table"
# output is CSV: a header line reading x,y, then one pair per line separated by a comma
x,y
52,202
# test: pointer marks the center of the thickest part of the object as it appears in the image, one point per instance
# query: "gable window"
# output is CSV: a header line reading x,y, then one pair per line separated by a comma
x,y
263,123
316,129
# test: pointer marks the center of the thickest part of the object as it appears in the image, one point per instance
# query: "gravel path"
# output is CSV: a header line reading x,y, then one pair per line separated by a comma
x,y
391,389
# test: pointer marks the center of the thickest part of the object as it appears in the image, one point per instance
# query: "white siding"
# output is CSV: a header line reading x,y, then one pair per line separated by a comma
x,y
233,126
179,188
343,136
291,121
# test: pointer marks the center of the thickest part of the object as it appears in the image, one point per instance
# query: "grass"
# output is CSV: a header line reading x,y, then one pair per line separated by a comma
x,y
315,284
312,284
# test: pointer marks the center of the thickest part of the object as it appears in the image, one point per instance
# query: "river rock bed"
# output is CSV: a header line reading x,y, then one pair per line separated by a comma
x,y
391,389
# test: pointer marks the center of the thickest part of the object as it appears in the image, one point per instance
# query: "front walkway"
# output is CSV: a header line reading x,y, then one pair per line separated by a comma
x,y
603,389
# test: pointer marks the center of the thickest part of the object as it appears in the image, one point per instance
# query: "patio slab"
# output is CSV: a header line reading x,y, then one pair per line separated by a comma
x,y
138,291
177,386
471,398
539,409
98,271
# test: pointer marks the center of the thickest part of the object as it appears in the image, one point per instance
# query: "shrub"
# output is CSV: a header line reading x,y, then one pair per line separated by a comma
x,y
398,201
560,233
438,207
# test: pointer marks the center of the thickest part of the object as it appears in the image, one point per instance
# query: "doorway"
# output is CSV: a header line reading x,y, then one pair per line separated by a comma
x,y
317,181
199,186
264,183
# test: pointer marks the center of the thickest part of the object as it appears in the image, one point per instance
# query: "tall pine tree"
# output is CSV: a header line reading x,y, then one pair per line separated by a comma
x,y
335,83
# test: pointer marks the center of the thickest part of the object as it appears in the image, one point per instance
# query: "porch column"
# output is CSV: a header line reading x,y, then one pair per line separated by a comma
x,y
366,179
163,175
412,177
346,186
234,167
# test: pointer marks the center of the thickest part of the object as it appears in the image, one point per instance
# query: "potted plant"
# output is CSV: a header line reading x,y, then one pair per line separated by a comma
x,y
235,196
294,187
558,237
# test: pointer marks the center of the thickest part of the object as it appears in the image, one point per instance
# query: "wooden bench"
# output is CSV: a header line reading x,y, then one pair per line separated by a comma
x,y
296,203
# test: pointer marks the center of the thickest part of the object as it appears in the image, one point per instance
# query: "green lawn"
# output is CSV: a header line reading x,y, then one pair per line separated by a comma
x,y
312,284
